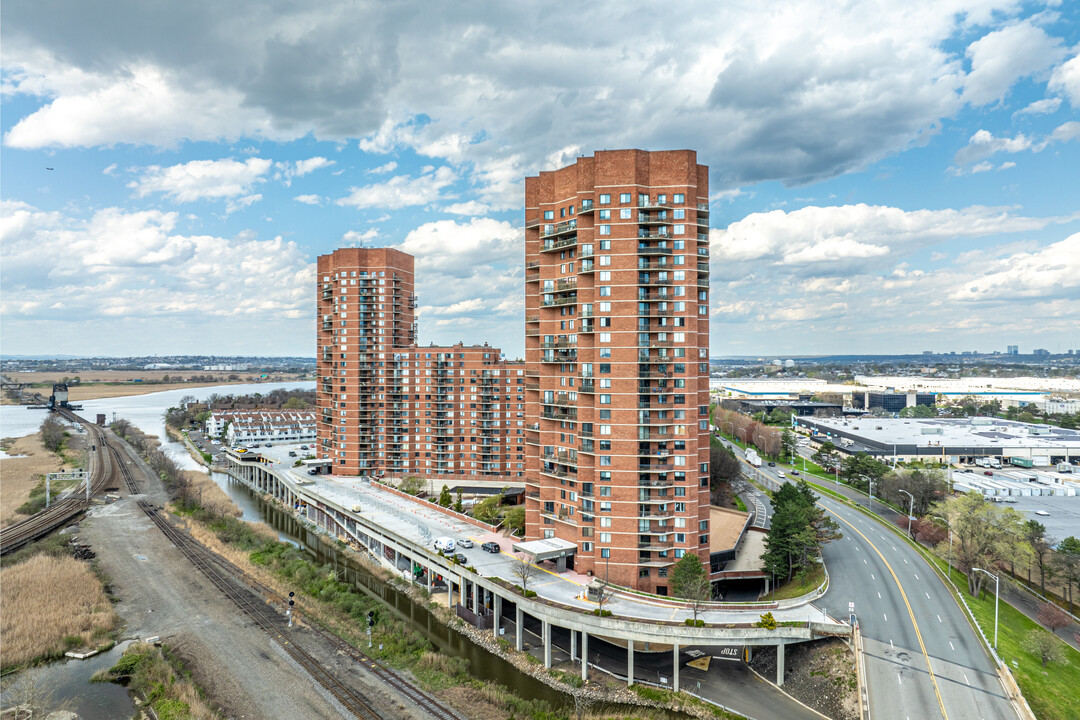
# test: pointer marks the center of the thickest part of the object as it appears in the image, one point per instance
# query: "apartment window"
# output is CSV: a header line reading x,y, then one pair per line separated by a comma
x,y
605,506
605,537
680,537
562,212
605,276
605,522
605,199
605,244
605,490
605,337
624,198
643,573
604,260
678,198
604,552
548,534
549,214
678,214
605,460
605,229
605,399
679,230
605,214
571,209
586,547
626,213
605,367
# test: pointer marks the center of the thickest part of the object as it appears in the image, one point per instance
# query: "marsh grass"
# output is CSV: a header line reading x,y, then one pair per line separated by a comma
x,y
51,605
160,677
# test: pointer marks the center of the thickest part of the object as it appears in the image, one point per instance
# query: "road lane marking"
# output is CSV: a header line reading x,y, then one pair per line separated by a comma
x,y
885,616
951,646
939,618
916,576
879,596
864,562
911,615
966,681
872,576
927,595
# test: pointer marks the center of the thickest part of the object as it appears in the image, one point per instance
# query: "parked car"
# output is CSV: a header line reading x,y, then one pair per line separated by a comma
x,y
461,559
988,472
303,447
491,547
465,543
292,453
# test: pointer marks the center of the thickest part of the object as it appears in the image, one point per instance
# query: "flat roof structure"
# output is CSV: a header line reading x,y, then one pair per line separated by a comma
x,y
546,548
950,438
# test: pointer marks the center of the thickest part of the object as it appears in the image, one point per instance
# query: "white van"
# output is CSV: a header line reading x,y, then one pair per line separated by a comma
x,y
444,544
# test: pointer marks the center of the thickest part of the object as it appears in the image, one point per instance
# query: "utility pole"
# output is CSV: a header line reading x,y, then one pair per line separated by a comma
x,y
911,509
996,597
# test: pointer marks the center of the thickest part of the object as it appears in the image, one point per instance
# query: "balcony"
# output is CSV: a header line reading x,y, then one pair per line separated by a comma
x,y
558,344
559,356
703,282
563,228
656,218
655,544
559,244
650,281
558,472
532,318
587,387
565,285
562,400
655,483
649,205
552,412
561,457
703,237
587,327
652,311
560,300
703,207
658,249
587,266
586,207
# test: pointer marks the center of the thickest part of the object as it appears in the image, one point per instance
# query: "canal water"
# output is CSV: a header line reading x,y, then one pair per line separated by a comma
x,y
147,413
67,685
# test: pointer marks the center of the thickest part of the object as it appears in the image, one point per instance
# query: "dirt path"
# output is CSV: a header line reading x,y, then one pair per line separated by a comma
x,y
161,593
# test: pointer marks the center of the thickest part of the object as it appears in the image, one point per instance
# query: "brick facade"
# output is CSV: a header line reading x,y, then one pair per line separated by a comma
x,y
389,407
616,357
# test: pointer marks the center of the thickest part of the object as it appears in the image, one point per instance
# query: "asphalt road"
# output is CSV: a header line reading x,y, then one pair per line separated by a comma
x,y
923,659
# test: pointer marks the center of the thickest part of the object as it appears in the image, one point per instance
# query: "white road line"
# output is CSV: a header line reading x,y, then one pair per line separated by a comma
x,y
891,647
864,561
966,681
879,596
951,645
916,576
905,561
899,679
927,595
872,576
939,618
885,616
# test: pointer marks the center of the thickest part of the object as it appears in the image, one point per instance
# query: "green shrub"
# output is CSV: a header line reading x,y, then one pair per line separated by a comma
x,y
690,622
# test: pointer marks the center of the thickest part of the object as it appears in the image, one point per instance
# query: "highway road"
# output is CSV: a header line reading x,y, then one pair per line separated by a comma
x,y
922,658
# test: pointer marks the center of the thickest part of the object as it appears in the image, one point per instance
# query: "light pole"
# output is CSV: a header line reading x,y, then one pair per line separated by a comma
x,y
911,509
948,525
995,601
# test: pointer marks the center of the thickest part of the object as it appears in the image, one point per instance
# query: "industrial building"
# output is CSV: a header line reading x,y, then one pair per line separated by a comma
x,y
890,401
387,405
960,440
616,354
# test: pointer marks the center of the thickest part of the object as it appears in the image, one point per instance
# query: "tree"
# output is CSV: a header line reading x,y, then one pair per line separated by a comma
x,y
984,535
684,574
798,531
1042,550
523,569
1053,617
826,456
1043,645
514,520
458,507
860,466
697,593
444,496
603,593
1068,565
411,485
787,442
919,411
53,434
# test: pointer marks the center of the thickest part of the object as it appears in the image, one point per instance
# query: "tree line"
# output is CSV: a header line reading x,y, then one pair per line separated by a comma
x,y
799,530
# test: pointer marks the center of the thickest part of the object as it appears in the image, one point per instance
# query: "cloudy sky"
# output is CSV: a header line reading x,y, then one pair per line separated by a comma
x,y
886,176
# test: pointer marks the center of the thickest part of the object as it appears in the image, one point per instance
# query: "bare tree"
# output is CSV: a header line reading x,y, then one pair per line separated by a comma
x,y
603,594
523,569
1053,617
697,593
52,434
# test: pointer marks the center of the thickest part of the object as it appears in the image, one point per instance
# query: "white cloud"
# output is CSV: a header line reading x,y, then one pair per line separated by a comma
x,y
1049,272
382,169
142,105
109,169
983,144
118,267
471,207
247,201
1000,58
1041,107
1066,80
309,199
201,179
401,191
354,238
286,171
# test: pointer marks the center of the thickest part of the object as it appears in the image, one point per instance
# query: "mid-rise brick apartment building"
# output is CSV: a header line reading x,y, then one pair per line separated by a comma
x,y
616,358
388,406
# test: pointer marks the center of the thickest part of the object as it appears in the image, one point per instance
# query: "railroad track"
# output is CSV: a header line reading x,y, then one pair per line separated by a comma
x,y
268,620
58,513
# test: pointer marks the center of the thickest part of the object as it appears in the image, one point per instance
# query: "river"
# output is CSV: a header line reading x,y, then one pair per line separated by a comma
x,y
147,413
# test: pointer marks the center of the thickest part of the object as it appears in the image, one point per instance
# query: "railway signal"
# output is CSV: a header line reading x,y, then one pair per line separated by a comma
x,y
370,624
288,613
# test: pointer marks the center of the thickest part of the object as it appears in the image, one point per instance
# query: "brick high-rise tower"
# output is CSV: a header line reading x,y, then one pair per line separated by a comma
x,y
616,354
365,307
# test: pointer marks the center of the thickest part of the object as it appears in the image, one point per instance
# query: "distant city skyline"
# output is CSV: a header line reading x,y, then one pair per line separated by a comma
x,y
885,178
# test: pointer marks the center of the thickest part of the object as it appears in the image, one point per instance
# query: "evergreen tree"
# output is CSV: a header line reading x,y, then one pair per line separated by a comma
x,y
444,496
685,574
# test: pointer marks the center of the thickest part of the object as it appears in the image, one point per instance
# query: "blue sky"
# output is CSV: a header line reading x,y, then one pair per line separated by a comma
x,y
885,177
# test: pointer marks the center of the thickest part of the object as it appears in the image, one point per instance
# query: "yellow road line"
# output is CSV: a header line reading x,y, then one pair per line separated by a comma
x,y
911,614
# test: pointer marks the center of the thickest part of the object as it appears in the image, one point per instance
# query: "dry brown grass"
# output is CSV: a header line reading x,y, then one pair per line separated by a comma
x,y
209,496
51,605
17,473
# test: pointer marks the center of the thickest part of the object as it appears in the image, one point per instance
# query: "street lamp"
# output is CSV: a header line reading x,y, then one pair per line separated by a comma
x,y
911,509
948,525
995,601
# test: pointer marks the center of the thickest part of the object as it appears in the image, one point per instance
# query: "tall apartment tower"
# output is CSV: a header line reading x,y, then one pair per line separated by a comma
x,y
365,307
616,362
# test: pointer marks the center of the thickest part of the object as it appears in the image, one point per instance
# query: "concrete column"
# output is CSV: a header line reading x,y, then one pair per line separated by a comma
x,y
430,578
780,665
450,594
475,599
629,663
518,620
675,662
497,602
749,653
546,636
573,645
584,655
